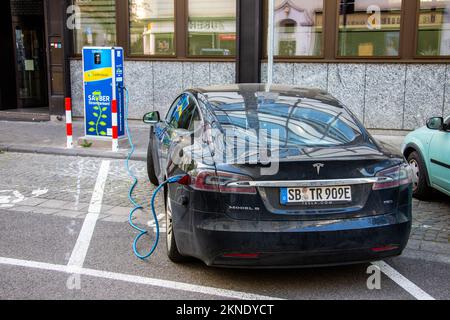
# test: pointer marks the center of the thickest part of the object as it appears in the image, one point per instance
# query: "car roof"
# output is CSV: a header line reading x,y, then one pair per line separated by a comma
x,y
242,93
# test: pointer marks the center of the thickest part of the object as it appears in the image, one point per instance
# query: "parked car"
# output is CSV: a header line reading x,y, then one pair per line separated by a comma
x,y
321,192
428,152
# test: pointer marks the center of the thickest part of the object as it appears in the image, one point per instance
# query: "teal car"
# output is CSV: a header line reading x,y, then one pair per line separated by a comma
x,y
428,152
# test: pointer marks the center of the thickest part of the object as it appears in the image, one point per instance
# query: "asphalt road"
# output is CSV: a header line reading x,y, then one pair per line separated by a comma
x,y
38,242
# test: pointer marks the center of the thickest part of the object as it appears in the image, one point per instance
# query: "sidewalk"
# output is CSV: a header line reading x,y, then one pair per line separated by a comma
x,y
50,138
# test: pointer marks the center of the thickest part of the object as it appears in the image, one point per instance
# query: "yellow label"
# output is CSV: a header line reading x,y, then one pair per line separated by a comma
x,y
98,74
365,49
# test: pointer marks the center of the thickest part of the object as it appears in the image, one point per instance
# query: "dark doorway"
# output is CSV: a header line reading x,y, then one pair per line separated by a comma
x,y
27,50
8,98
30,53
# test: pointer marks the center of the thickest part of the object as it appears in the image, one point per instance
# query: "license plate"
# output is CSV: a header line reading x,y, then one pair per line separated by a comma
x,y
316,195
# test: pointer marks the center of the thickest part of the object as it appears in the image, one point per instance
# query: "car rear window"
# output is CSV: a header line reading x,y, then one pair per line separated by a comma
x,y
304,123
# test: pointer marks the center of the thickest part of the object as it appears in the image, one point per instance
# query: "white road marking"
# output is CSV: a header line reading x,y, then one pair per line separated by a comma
x,y
84,239
403,282
172,285
39,192
12,198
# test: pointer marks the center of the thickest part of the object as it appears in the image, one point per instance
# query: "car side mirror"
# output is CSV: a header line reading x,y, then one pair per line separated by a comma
x,y
152,117
436,123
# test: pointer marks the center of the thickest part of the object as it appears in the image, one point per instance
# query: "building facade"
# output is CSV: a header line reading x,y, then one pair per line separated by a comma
x,y
387,60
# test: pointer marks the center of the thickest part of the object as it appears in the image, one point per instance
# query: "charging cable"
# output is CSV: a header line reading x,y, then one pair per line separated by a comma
x,y
136,205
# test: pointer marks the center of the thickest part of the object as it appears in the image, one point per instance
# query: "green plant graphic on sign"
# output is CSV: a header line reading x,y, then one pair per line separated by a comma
x,y
98,127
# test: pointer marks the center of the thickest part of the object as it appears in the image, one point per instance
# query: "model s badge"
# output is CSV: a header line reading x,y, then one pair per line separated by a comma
x,y
318,166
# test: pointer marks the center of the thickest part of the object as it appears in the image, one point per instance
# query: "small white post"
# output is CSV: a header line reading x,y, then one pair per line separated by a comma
x,y
270,43
115,129
69,126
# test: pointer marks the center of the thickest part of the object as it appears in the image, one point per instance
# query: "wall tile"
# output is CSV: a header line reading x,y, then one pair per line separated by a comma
x,y
424,96
381,87
283,73
196,74
139,81
223,73
311,75
385,96
447,92
168,84
346,83
188,80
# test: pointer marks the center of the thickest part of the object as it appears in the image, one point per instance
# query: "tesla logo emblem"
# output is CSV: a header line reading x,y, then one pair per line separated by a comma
x,y
318,166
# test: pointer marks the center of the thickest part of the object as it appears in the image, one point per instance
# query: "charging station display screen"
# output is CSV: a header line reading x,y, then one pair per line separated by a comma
x,y
103,83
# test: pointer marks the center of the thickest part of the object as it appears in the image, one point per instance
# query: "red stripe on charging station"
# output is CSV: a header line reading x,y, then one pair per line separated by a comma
x,y
69,126
115,128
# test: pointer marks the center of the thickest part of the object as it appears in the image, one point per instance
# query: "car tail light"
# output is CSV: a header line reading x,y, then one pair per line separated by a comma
x,y
385,248
185,181
398,176
209,180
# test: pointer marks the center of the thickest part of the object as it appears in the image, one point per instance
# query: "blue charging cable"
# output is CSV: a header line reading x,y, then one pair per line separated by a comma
x,y
137,206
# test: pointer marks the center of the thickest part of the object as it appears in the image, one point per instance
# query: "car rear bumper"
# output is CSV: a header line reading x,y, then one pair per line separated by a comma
x,y
225,242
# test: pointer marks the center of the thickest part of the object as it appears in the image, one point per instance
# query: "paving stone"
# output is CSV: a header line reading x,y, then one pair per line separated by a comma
x,y
54,204
32,202
116,218
68,214
120,211
83,207
413,244
46,211
435,247
106,208
24,209
102,217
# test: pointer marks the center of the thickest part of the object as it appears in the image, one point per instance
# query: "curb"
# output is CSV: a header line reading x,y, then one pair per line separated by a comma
x,y
138,156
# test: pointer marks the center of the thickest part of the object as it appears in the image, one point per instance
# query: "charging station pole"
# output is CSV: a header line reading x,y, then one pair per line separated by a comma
x,y
104,101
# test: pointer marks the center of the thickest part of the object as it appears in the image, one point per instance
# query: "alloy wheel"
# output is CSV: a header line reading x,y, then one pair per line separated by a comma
x,y
416,173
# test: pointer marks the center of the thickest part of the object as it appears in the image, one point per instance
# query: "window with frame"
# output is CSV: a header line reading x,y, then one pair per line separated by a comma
x,y
152,27
433,38
171,111
212,27
97,20
186,118
182,112
369,28
298,28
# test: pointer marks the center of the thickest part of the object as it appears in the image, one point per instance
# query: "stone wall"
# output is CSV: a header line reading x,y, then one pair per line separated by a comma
x,y
155,85
383,96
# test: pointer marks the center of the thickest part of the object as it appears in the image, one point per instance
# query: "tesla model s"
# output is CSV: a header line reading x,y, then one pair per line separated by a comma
x,y
276,176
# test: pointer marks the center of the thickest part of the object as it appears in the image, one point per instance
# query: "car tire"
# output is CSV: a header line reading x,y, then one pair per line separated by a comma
x,y
421,189
151,167
172,248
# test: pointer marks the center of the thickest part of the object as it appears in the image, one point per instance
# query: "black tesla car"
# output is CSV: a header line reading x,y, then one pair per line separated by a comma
x,y
276,176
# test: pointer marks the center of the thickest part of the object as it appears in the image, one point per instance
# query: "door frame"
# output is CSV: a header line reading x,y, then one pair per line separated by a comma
x,y
38,22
